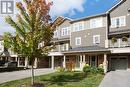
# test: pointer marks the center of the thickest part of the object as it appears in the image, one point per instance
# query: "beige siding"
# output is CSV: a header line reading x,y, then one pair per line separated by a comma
x,y
87,37
87,34
122,10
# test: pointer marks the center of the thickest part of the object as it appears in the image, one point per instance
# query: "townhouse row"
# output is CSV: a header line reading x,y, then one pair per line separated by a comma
x,y
102,39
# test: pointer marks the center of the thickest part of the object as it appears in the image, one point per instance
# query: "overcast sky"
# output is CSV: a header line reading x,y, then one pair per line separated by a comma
x,y
70,8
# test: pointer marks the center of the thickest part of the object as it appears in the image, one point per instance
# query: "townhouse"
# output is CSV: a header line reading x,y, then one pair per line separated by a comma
x,y
102,39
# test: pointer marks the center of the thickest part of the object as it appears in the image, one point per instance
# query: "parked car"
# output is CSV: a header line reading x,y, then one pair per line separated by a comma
x,y
10,65
2,63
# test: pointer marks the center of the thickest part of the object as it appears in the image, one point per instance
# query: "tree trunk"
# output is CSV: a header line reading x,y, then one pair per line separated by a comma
x,y
32,80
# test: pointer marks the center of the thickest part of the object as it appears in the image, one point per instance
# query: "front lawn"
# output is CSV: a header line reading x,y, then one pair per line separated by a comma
x,y
63,79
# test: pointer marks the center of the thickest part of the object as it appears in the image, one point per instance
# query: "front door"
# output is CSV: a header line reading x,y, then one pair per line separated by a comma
x,y
93,61
77,61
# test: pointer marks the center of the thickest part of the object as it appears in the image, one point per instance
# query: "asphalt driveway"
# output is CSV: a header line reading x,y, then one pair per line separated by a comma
x,y
116,79
9,76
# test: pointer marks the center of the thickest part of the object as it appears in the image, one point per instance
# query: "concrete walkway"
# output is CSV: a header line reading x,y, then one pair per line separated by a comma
x,y
9,76
116,79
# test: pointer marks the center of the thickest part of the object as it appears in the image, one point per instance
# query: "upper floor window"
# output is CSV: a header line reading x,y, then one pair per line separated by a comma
x,y
118,21
78,26
95,23
78,41
96,39
55,33
65,31
64,47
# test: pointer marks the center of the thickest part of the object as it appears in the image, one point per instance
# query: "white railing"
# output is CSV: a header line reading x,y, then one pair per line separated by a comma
x,y
119,43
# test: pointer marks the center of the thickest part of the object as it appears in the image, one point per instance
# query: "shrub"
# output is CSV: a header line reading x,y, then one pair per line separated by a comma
x,y
86,68
60,69
93,70
100,70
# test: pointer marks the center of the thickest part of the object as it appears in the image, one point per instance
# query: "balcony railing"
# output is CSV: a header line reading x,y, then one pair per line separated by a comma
x,y
60,48
119,43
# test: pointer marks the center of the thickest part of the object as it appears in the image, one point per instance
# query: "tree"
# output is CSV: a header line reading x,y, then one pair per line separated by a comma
x,y
32,27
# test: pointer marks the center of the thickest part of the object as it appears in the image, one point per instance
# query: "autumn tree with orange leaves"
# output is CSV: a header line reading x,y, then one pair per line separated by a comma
x,y
33,26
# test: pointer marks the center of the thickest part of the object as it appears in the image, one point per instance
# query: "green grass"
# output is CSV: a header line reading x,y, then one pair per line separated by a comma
x,y
64,79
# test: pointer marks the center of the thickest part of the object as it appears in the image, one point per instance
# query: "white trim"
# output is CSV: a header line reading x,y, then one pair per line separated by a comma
x,y
120,50
98,23
55,54
77,25
115,6
65,31
113,24
76,41
94,40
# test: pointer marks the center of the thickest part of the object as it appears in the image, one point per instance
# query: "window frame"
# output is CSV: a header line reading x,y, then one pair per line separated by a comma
x,y
94,39
114,22
98,23
56,34
78,26
76,41
65,31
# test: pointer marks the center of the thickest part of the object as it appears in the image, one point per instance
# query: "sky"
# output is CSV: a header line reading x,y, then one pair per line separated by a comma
x,y
73,9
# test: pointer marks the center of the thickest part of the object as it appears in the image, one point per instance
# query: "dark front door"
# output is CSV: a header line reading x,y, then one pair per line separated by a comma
x,y
93,61
119,63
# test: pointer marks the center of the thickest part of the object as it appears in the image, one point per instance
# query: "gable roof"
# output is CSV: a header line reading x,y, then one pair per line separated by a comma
x,y
115,6
59,20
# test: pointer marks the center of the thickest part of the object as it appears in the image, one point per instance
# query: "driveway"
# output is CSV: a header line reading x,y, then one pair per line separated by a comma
x,y
9,76
116,79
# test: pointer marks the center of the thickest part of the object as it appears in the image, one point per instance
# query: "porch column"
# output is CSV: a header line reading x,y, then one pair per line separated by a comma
x,y
18,61
64,62
81,62
35,63
84,62
26,62
52,62
15,59
105,63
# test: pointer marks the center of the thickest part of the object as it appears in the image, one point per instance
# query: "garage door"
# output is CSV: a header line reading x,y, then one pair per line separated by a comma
x,y
119,64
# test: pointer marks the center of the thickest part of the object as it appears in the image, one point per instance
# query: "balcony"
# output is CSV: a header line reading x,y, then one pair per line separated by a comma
x,y
119,43
60,48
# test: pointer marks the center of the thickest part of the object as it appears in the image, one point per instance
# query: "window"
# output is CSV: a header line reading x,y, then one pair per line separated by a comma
x,y
95,23
78,26
118,21
56,34
65,31
96,39
78,41
65,47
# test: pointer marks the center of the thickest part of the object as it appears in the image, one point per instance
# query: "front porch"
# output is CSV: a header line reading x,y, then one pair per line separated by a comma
x,y
78,60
